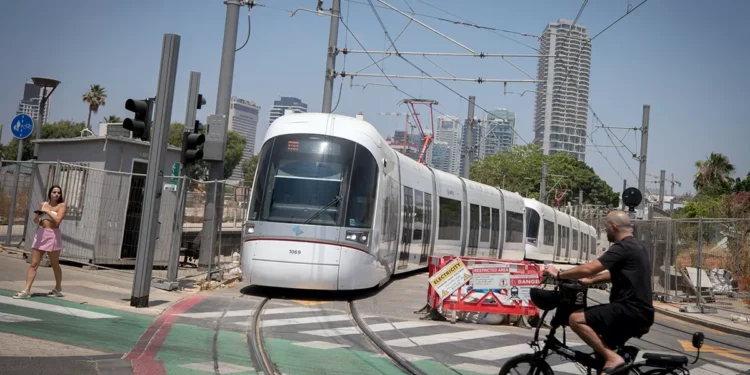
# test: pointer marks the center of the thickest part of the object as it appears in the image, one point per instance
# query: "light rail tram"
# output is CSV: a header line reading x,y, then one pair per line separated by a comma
x,y
334,207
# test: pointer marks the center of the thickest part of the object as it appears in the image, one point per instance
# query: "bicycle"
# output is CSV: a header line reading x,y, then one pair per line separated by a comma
x,y
567,297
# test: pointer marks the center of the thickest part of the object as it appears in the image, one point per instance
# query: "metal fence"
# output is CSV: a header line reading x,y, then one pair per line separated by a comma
x,y
102,223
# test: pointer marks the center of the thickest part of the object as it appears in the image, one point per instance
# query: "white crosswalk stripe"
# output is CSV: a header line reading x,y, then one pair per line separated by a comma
x,y
504,352
306,320
245,313
473,367
442,338
10,318
54,308
379,327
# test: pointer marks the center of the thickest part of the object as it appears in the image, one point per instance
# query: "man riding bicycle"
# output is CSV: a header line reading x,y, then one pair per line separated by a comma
x,y
630,308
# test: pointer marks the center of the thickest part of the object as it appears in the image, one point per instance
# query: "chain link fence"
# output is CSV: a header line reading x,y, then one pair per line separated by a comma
x,y
101,228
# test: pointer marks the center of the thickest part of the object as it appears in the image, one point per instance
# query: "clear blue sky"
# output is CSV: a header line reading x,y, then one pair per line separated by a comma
x,y
688,59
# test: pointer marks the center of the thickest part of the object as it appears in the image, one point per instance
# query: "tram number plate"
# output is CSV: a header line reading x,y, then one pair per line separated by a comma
x,y
295,252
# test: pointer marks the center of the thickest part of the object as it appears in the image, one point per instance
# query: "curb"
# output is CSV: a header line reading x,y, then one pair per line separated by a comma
x,y
712,325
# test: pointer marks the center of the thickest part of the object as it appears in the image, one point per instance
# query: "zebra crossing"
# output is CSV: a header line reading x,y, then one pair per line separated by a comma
x,y
464,348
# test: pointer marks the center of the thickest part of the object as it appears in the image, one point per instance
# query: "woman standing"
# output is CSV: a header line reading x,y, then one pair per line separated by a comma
x,y
47,240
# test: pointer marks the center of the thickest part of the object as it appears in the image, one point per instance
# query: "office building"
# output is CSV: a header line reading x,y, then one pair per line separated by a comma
x,y
562,98
446,149
32,97
283,104
243,119
499,130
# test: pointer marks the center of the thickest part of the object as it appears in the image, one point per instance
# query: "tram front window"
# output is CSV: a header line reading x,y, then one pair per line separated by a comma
x,y
532,226
305,179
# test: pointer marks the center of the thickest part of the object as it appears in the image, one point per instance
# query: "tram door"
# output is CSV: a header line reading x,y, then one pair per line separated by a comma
x,y
408,227
427,228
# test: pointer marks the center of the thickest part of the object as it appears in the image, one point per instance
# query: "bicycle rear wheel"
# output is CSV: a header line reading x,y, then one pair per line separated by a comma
x,y
526,364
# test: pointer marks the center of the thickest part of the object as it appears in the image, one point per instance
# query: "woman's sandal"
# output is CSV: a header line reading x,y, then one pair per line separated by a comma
x,y
55,293
22,295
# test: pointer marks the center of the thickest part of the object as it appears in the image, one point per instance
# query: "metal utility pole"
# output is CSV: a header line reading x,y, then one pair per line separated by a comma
x,y
624,186
661,189
543,186
644,151
469,137
193,92
150,225
333,37
214,207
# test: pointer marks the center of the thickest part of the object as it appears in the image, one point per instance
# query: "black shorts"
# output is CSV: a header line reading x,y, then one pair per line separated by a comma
x,y
616,323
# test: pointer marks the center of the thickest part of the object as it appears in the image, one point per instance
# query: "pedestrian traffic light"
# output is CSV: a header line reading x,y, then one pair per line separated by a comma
x,y
140,124
192,143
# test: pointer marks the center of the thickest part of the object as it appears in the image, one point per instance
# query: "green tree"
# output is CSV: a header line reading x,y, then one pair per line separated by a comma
x,y
520,170
714,175
96,97
740,185
112,119
60,129
248,169
232,154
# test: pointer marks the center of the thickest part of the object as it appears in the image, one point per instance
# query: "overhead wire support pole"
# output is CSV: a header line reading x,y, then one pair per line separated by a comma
x,y
427,27
433,78
333,37
445,54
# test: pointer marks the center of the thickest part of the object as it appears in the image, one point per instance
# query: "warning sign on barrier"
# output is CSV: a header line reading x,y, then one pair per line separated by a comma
x,y
450,278
491,276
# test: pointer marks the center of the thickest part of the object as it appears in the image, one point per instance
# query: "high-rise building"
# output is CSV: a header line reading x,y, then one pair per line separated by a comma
x,y
562,97
243,119
499,132
477,133
32,97
446,150
281,105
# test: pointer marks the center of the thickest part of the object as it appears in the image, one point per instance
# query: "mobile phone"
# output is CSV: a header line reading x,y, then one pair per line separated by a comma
x,y
38,212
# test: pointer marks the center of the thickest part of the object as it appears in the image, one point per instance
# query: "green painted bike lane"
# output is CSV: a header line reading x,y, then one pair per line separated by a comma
x,y
116,335
187,345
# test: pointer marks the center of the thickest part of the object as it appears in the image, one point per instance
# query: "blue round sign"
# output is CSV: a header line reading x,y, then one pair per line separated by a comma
x,y
22,126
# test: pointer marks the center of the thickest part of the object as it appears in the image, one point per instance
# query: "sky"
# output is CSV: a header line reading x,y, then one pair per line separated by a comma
x,y
687,59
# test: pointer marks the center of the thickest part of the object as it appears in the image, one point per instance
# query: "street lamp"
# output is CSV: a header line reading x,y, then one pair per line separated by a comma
x,y
44,83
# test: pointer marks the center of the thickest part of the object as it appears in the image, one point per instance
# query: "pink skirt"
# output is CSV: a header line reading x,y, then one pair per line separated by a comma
x,y
47,239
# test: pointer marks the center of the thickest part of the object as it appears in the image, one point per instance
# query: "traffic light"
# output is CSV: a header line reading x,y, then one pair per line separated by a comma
x,y
192,143
140,125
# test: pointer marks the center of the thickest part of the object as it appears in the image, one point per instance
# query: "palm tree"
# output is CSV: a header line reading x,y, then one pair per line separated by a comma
x,y
95,97
713,172
112,119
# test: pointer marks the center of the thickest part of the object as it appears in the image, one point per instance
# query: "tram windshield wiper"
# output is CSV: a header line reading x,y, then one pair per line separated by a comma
x,y
333,201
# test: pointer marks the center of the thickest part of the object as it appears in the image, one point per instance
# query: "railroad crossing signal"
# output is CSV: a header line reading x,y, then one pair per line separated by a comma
x,y
140,124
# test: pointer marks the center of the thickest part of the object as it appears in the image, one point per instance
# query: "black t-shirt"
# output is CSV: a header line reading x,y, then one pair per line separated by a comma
x,y
628,264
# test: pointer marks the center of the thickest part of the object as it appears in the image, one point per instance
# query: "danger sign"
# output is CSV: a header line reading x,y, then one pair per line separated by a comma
x,y
525,280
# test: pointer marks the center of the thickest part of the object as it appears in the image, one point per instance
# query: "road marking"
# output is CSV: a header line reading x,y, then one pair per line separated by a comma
x,y
10,318
319,345
711,369
332,332
738,355
407,356
482,369
236,313
443,338
309,303
504,352
568,367
54,308
295,321
224,368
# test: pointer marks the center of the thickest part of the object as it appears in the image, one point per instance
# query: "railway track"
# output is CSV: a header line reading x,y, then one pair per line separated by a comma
x,y
264,364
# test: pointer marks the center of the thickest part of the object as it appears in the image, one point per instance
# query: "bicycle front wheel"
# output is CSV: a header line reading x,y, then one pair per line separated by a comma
x,y
526,364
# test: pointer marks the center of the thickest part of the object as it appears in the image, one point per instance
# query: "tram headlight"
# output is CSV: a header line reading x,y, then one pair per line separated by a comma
x,y
357,236
249,228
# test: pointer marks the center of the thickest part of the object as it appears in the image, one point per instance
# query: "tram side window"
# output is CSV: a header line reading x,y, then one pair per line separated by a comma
x,y
593,246
485,237
494,244
532,226
549,233
513,227
450,219
575,240
418,215
585,243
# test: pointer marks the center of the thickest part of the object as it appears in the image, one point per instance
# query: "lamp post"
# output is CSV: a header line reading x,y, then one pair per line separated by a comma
x,y
44,83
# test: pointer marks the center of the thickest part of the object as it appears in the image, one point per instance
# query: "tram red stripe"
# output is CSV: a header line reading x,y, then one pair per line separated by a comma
x,y
305,240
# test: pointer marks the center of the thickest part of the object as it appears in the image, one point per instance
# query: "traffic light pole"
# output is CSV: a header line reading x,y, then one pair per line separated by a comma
x,y
174,256
155,176
214,207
